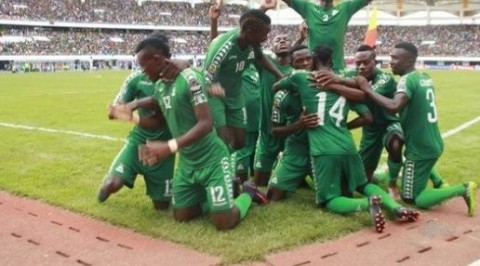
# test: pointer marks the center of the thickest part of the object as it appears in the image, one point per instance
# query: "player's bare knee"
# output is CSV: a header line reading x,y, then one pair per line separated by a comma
x,y
161,205
395,150
226,220
187,214
113,184
275,194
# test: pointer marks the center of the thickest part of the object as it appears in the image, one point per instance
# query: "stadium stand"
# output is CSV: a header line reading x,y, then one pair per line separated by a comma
x,y
112,27
449,40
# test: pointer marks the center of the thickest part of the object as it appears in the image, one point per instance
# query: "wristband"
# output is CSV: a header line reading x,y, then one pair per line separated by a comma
x,y
173,145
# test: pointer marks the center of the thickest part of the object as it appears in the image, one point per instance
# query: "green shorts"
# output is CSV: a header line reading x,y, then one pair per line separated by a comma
x,y
415,176
157,177
336,175
243,157
211,184
228,111
266,153
372,143
291,170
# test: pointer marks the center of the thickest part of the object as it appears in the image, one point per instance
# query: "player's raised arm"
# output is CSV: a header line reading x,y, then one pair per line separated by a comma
x,y
265,63
391,105
214,13
266,5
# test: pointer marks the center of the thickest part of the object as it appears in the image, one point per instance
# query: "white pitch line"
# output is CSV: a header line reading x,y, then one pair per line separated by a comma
x,y
449,133
445,135
67,132
463,126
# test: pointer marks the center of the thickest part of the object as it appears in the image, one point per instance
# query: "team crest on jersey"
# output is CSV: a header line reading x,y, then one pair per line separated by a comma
x,y
251,55
198,95
402,85
119,169
212,68
426,83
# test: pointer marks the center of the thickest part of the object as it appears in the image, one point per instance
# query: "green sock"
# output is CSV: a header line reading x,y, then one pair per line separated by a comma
x,y
243,203
387,201
436,178
381,176
344,205
430,197
310,182
393,170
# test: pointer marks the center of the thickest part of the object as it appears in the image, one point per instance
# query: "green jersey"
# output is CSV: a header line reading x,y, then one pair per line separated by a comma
x,y
177,101
331,137
286,110
383,83
137,86
419,117
225,62
251,93
327,26
267,80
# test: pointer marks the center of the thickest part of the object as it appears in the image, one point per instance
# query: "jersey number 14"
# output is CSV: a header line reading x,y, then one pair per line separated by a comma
x,y
336,112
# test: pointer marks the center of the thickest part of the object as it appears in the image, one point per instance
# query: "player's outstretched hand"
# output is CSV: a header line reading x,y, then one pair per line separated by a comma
x,y
308,120
216,90
150,153
120,112
303,30
268,4
171,69
362,83
215,11
322,78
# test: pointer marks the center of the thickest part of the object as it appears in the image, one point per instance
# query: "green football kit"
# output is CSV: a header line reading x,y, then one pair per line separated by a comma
x,y
126,164
327,26
224,64
268,146
336,165
376,135
251,93
294,165
203,172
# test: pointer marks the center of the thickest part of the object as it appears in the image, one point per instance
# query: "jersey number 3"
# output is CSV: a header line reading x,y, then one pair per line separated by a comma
x,y
431,116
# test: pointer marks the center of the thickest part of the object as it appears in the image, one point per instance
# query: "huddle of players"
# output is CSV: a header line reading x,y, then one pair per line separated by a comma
x,y
305,118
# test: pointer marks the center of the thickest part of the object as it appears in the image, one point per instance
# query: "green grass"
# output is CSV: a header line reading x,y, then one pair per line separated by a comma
x,y
66,170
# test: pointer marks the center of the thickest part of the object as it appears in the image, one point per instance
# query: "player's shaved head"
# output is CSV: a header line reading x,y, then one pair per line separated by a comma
x,y
254,16
409,47
368,49
155,46
159,35
322,56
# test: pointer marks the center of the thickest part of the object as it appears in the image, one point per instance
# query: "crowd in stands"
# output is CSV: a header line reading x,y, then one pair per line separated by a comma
x,y
453,40
116,11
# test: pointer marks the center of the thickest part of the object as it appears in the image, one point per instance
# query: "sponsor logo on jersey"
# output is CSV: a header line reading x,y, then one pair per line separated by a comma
x,y
119,169
402,85
426,83
144,82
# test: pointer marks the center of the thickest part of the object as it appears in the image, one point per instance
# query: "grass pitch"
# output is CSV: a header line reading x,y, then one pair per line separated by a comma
x,y
66,170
